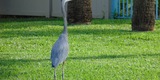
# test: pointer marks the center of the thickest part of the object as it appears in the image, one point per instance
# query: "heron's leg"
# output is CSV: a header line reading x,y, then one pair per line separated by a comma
x,y
54,73
63,71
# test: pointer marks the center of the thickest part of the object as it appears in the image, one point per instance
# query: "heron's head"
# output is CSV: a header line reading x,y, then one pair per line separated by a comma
x,y
63,5
66,0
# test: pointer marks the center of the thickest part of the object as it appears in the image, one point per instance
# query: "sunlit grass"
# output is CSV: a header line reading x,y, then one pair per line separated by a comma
x,y
104,50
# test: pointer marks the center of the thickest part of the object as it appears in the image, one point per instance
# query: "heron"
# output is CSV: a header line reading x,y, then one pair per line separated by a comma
x,y
60,48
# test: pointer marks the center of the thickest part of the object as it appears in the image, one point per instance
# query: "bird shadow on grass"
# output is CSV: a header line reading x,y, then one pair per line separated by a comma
x,y
113,56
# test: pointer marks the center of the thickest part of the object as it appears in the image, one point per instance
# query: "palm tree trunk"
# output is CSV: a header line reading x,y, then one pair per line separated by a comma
x,y
143,15
158,7
79,11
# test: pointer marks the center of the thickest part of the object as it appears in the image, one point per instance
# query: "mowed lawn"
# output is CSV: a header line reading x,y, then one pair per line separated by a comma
x,y
104,50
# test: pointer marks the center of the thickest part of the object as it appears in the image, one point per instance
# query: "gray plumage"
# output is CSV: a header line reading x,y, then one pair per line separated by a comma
x,y
60,49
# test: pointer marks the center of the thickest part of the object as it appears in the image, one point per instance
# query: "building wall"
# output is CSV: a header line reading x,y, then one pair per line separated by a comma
x,y
100,8
56,8
24,7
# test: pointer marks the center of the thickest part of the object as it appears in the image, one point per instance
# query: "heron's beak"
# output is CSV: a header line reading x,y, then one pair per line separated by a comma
x,y
69,0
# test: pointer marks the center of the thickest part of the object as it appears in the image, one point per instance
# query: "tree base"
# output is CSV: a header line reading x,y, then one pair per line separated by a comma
x,y
78,23
142,28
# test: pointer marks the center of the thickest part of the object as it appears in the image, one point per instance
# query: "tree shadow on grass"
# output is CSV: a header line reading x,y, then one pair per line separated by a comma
x,y
12,67
23,23
113,56
100,31
51,32
32,19
59,21
112,21
8,66
16,23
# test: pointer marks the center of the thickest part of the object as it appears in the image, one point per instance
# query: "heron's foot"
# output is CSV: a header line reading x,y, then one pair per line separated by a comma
x,y
62,76
63,71
54,73
54,77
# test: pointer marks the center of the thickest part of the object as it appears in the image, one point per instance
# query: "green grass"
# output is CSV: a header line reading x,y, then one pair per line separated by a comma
x,y
104,50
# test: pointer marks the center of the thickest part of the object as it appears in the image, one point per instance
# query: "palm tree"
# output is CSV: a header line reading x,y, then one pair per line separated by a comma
x,y
143,15
79,11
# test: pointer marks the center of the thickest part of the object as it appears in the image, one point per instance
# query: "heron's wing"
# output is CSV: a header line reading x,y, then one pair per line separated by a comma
x,y
59,51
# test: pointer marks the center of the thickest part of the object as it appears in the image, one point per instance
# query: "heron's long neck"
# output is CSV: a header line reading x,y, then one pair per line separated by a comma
x,y
65,26
65,19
